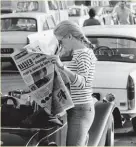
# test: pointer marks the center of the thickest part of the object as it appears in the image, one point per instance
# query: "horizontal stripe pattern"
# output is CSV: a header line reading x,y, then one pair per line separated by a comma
x,y
83,64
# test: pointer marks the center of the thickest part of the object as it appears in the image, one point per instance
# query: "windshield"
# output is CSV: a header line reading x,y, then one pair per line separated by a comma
x,y
18,24
115,49
74,12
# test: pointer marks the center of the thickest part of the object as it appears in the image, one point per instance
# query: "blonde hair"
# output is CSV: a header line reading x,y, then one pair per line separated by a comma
x,y
67,27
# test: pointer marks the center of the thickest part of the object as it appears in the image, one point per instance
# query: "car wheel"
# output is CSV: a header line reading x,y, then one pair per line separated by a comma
x,y
110,133
134,123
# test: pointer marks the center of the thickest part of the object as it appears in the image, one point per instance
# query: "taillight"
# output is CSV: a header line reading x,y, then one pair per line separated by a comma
x,y
28,41
131,93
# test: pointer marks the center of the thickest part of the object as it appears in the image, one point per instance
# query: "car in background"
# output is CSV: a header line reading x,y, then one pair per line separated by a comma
x,y
116,65
103,15
16,27
78,14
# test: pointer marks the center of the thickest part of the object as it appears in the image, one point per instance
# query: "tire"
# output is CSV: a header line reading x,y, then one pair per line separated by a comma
x,y
110,134
134,123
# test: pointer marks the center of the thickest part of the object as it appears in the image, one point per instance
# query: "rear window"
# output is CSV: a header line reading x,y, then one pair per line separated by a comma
x,y
26,6
18,24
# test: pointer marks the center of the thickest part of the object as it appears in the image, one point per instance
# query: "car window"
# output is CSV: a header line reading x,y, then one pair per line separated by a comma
x,y
18,24
121,49
26,6
6,11
74,12
53,5
45,26
110,49
50,22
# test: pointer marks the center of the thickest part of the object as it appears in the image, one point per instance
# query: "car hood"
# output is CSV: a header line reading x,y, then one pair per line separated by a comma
x,y
23,136
11,81
112,74
14,37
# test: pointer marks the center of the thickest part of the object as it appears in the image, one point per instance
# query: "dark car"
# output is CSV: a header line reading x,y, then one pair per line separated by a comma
x,y
26,124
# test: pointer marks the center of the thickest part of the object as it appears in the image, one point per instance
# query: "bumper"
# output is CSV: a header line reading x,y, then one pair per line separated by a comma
x,y
129,113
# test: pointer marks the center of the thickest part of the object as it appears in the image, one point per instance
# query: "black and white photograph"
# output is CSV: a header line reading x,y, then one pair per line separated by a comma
x,y
91,45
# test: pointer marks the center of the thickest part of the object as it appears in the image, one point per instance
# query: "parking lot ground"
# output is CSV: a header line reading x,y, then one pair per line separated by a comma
x,y
125,136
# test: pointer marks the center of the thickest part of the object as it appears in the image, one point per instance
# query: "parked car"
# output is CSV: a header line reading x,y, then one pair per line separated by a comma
x,y
78,14
103,15
116,65
27,126
16,27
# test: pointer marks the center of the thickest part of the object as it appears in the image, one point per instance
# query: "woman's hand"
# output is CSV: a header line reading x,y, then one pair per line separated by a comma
x,y
56,60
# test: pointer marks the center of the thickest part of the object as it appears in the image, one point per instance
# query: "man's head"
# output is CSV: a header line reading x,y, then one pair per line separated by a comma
x,y
92,13
122,4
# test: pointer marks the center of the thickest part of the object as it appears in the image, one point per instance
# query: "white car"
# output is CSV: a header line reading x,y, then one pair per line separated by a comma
x,y
78,14
16,27
116,65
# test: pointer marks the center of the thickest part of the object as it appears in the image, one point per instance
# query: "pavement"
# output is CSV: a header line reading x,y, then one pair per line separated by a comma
x,y
125,136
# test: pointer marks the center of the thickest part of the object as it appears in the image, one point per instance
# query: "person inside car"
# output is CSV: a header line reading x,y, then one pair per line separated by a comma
x,y
80,71
92,20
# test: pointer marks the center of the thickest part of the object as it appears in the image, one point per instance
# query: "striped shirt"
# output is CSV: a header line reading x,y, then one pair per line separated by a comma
x,y
83,64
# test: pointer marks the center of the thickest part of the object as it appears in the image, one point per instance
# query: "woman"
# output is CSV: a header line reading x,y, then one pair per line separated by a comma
x,y
80,71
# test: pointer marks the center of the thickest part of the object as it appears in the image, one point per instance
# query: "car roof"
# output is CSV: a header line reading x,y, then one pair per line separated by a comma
x,y
25,14
111,30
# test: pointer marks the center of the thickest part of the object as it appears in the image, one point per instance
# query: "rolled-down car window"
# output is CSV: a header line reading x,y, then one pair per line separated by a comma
x,y
115,49
18,24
